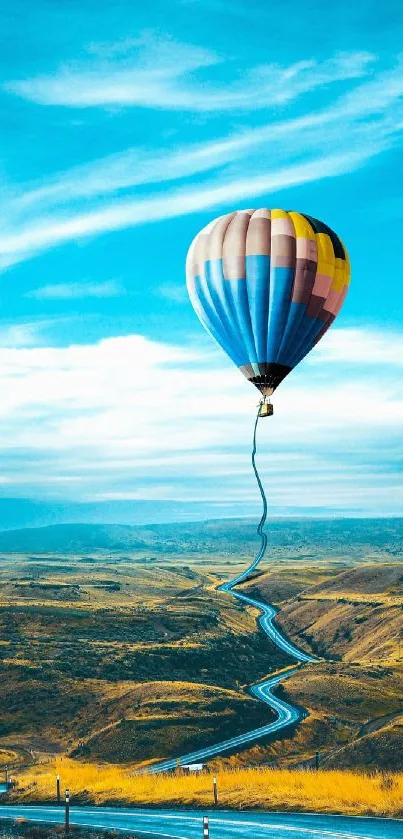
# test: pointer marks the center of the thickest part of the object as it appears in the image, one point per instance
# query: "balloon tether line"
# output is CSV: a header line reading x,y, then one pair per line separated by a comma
x,y
260,528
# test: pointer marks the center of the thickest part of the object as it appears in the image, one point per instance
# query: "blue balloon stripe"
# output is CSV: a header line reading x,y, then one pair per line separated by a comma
x,y
207,312
223,301
307,332
214,278
204,309
230,298
258,282
295,316
307,347
240,303
311,343
281,282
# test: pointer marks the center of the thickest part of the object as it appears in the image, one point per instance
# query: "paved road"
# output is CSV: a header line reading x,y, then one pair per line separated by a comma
x,y
286,714
266,622
176,824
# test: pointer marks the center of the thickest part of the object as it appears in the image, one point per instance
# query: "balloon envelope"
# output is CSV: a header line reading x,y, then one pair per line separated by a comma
x,y
267,284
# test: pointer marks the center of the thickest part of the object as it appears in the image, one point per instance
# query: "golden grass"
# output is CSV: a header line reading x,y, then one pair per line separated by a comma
x,y
373,599
322,791
7,756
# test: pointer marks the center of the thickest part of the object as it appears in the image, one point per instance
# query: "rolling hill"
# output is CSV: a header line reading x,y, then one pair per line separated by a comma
x,y
353,619
306,538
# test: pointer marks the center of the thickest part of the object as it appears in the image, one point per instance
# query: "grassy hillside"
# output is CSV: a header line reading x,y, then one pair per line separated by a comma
x,y
142,722
354,617
122,660
7,757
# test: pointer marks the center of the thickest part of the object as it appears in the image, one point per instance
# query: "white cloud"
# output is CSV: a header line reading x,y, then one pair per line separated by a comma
x,y
77,291
368,347
130,417
164,75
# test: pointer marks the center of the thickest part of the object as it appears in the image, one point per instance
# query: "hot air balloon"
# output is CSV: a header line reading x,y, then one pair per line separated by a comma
x,y
267,284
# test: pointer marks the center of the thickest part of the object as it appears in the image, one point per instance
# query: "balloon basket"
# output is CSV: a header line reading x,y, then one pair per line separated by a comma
x,y
266,409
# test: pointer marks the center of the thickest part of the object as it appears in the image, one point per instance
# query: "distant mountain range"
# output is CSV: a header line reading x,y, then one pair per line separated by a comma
x,y
18,513
304,537
27,512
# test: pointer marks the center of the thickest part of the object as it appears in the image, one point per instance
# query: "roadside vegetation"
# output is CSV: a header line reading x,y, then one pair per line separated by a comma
x,y
11,829
327,791
8,757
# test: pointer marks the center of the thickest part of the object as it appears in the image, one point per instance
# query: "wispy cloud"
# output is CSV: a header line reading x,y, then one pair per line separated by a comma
x,y
162,75
77,291
80,417
47,232
173,291
131,168
243,165
19,335
35,333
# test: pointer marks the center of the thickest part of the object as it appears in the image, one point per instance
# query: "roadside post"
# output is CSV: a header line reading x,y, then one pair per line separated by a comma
x,y
206,829
67,812
317,760
215,791
58,788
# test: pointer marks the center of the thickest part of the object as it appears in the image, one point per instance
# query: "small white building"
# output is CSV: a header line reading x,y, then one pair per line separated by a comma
x,y
193,767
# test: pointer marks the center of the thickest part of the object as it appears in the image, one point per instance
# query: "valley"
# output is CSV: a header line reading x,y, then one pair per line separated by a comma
x,y
131,655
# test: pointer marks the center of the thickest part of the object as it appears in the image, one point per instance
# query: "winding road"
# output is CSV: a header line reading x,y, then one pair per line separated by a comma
x,y
286,714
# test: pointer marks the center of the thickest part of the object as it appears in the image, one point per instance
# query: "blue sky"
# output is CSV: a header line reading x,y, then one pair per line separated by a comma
x,y
125,130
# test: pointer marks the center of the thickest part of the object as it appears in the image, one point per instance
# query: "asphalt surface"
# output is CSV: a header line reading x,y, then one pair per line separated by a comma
x,y
179,824
286,714
266,622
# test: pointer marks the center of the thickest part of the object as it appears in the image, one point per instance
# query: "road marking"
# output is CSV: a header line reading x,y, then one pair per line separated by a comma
x,y
104,825
288,828
126,829
256,824
33,813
